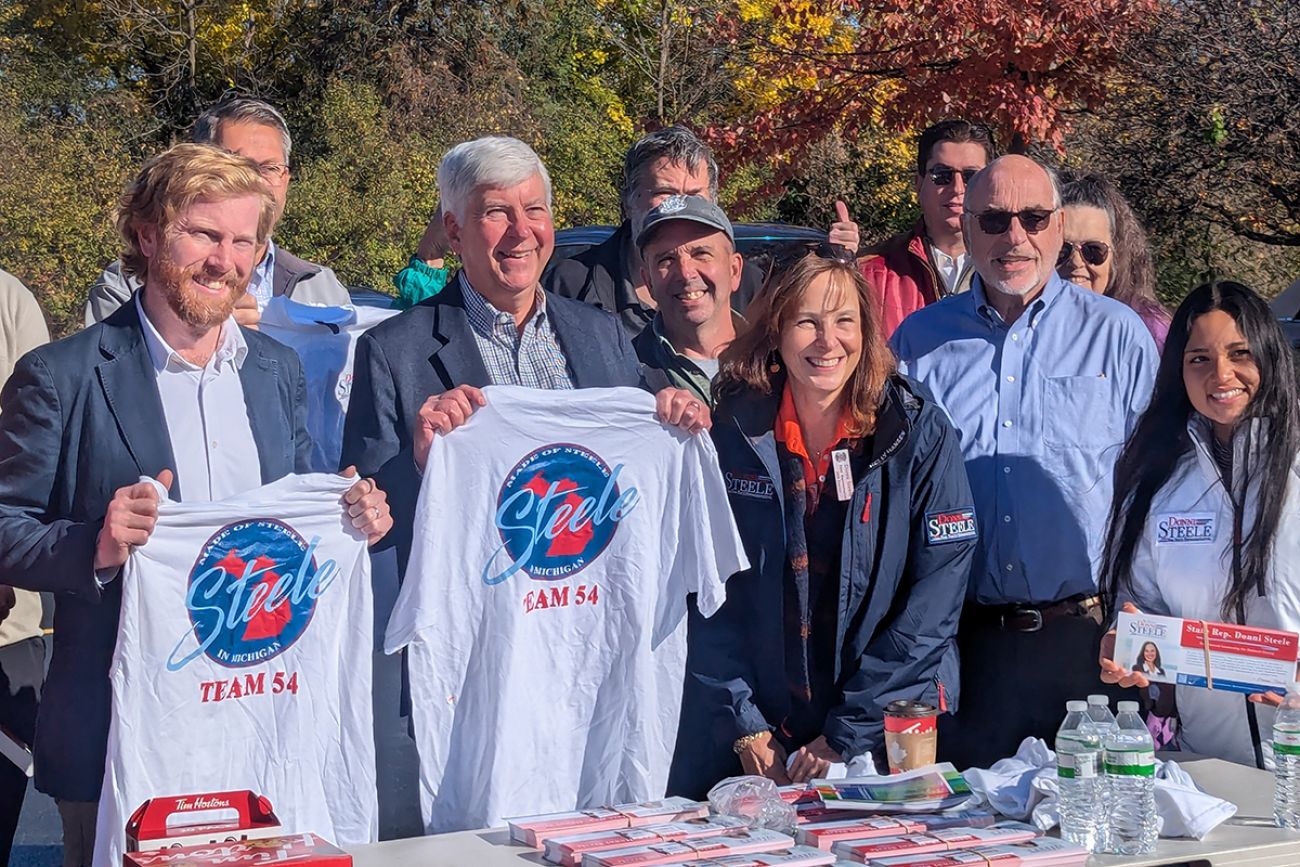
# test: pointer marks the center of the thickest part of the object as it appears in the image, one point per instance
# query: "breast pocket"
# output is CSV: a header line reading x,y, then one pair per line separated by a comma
x,y
1080,412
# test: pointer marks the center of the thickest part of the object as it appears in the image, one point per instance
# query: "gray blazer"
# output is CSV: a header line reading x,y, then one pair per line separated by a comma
x,y
303,281
430,349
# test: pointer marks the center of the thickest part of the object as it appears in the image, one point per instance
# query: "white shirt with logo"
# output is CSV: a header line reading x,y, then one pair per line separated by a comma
x,y
325,338
243,661
543,611
1182,568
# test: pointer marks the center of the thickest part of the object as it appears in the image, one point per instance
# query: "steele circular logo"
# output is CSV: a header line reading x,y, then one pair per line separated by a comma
x,y
557,512
252,592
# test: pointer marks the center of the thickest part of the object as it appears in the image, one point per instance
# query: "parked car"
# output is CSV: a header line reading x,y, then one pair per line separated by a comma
x,y
753,241
1286,307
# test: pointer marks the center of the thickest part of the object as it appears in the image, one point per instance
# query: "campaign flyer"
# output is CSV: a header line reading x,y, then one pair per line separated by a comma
x,y
1210,655
923,790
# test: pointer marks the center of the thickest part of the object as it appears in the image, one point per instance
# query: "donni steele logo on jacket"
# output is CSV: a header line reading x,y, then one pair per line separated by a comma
x,y
252,593
949,526
557,511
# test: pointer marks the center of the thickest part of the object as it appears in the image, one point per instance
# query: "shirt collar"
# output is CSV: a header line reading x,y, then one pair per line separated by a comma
x,y
231,345
790,432
267,265
481,310
1051,291
738,323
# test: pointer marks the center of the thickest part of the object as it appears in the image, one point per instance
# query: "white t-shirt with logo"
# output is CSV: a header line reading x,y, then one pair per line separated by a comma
x,y
556,539
243,661
325,338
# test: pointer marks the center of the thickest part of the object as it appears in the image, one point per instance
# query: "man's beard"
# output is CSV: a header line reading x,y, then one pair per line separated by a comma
x,y
196,310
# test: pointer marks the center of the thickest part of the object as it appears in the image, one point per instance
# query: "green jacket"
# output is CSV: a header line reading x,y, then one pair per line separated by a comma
x,y
416,282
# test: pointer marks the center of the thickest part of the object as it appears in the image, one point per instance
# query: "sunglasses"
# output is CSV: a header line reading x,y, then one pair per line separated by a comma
x,y
786,255
1033,220
941,176
1093,252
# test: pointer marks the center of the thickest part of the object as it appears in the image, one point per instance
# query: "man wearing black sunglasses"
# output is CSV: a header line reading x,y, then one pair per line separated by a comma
x,y
1043,379
929,262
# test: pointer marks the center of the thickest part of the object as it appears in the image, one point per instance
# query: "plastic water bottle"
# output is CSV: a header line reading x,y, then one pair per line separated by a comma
x,y
1099,718
1129,761
1078,771
1286,760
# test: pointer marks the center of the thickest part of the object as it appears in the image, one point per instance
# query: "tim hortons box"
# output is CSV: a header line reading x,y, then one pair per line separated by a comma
x,y
304,849
190,820
568,850
938,841
535,830
704,848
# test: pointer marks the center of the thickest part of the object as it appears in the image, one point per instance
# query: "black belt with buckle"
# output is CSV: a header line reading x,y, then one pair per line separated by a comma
x,y
1019,617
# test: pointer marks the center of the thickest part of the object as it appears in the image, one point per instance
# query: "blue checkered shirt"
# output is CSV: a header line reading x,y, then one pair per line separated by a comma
x,y
530,356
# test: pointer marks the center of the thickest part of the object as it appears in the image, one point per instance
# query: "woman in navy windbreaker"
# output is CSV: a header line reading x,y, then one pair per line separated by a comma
x,y
848,486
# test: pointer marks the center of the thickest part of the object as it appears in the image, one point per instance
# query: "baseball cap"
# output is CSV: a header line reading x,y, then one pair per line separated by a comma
x,y
695,209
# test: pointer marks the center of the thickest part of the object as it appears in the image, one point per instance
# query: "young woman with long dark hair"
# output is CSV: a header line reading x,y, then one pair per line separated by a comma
x,y
1205,522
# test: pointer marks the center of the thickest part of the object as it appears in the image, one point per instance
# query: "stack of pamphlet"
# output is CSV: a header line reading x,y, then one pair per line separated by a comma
x,y
535,830
1039,852
937,841
705,848
568,850
796,856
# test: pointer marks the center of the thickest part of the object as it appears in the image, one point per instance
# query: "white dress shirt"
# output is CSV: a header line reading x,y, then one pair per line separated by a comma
x,y
207,419
950,267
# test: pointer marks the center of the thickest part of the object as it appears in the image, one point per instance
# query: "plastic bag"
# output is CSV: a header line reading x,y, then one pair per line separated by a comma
x,y
755,799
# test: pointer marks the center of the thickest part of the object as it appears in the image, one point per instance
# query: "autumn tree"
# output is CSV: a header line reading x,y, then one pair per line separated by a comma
x,y
1202,123
1018,64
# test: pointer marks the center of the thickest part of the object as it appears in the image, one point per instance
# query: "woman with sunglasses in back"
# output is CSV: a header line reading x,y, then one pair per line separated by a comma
x,y
1217,447
848,486
1106,250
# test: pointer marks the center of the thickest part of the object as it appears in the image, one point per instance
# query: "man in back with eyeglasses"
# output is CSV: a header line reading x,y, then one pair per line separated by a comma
x,y
254,129
929,261
1043,379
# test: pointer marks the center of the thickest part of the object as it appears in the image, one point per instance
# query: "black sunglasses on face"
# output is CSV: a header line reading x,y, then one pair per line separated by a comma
x,y
1093,252
941,176
1032,220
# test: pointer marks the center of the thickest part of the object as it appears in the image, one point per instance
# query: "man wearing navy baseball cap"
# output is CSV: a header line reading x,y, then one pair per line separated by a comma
x,y
690,264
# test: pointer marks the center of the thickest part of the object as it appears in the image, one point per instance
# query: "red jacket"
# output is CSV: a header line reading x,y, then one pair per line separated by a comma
x,y
902,277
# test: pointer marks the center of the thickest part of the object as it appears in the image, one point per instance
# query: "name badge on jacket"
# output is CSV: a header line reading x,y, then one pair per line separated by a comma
x,y
1186,528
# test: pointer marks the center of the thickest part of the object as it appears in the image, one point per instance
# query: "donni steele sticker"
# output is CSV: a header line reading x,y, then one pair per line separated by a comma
x,y
1186,528
949,526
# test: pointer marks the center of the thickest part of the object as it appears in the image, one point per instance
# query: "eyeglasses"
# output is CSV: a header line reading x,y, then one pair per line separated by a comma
x,y
1093,252
1032,220
272,171
941,176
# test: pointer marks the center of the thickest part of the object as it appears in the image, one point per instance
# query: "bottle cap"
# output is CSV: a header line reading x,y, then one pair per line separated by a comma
x,y
1076,706
1128,707
1103,700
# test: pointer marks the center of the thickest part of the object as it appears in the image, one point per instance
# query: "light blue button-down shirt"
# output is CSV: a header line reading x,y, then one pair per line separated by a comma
x,y
261,285
1040,406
